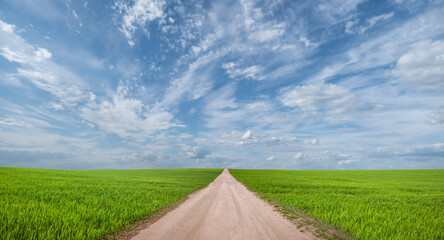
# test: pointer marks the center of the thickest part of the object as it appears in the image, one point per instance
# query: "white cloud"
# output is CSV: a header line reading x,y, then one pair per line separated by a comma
x,y
307,42
8,28
430,150
24,57
36,65
222,99
435,115
127,117
349,26
196,50
47,80
352,27
56,106
346,162
248,137
412,5
75,15
222,111
425,152
326,72
138,15
336,10
372,21
42,54
257,28
235,71
388,47
14,56
195,152
314,141
39,130
194,83
271,158
313,98
299,155
190,29
13,122
267,32
422,66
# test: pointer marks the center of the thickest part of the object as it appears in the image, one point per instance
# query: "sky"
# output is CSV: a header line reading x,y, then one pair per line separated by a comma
x,y
325,84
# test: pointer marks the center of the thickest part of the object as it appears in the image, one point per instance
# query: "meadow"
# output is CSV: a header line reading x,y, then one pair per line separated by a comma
x,y
367,204
88,204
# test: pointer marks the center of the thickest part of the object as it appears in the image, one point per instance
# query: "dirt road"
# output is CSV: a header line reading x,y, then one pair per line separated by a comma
x,y
225,209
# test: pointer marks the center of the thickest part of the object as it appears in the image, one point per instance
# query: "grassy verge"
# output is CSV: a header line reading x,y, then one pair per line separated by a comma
x,y
398,204
76,204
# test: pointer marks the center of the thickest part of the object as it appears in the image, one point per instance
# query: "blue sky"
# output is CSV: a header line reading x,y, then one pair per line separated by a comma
x,y
339,84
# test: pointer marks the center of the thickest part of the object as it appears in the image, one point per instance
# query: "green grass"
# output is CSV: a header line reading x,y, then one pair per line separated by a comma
x,y
82,204
390,204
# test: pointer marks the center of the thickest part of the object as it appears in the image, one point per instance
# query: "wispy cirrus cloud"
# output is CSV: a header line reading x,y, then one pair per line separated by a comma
x,y
137,15
13,122
250,138
353,26
251,72
37,67
435,115
330,98
337,10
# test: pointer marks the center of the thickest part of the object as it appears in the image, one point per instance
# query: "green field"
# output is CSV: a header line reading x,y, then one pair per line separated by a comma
x,y
83,204
388,204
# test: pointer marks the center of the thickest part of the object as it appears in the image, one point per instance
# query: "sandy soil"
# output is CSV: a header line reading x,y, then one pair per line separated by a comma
x,y
225,209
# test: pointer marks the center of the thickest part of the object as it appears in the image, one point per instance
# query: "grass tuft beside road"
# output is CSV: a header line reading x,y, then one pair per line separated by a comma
x,y
368,204
87,204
